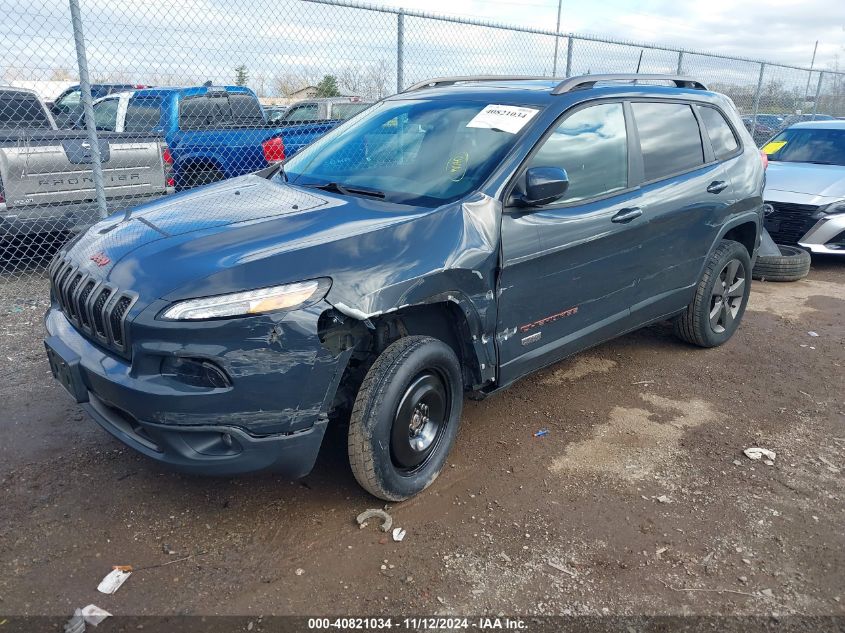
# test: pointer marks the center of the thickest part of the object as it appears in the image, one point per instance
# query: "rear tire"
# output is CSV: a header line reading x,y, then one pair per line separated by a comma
x,y
405,418
202,176
792,264
720,298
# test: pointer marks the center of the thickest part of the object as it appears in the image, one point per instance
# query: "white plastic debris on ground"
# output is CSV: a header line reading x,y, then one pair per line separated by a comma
x,y
398,534
757,453
114,579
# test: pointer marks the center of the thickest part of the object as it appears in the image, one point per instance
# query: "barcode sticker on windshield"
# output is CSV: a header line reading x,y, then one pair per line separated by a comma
x,y
506,118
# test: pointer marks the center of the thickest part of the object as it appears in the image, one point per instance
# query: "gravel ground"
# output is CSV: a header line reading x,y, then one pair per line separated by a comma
x,y
638,501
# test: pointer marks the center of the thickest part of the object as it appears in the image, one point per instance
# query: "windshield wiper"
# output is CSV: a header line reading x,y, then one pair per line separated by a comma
x,y
348,190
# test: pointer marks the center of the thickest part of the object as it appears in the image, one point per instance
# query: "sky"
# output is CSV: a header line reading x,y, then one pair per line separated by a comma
x,y
779,30
294,42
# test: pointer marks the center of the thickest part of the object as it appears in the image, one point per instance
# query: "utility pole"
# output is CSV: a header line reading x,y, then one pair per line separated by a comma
x,y
557,37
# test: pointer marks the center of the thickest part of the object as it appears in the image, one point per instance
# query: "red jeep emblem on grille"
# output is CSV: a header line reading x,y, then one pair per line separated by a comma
x,y
101,259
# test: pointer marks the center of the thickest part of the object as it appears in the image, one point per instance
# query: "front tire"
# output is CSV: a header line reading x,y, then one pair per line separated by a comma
x,y
405,418
720,298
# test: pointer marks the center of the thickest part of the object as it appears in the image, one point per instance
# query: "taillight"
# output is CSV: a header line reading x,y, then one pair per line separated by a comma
x,y
2,193
274,150
765,158
167,161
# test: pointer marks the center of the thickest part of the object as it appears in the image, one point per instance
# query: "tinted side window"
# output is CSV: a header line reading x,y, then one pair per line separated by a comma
x,y
143,115
246,110
669,138
345,111
21,110
309,112
592,146
720,133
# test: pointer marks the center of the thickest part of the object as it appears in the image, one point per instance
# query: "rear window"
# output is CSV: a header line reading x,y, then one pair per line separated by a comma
x,y
669,138
21,110
719,131
143,114
345,111
205,112
245,110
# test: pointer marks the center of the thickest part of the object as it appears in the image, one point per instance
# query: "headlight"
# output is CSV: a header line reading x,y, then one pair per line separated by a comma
x,y
259,301
834,207
830,209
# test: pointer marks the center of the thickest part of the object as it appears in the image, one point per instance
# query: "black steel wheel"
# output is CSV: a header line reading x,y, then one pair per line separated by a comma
x,y
405,418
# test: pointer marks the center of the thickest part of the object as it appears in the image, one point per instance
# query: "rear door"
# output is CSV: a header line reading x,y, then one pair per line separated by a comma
x,y
685,195
569,269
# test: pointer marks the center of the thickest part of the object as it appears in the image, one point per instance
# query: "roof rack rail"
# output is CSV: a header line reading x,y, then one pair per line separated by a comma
x,y
450,81
589,81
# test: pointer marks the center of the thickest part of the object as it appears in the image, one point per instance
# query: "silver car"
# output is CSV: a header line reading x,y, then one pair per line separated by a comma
x,y
805,186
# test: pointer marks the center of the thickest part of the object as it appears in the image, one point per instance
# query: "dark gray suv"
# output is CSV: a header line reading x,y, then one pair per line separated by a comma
x,y
450,239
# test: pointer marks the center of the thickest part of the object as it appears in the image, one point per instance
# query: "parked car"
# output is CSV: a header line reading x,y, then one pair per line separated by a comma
x,y
451,239
213,132
46,183
67,108
330,108
764,128
805,186
275,114
792,119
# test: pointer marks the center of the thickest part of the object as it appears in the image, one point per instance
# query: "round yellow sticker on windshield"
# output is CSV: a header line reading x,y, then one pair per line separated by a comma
x,y
457,166
773,147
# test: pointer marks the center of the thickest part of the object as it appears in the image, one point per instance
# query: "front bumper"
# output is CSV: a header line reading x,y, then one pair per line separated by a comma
x,y
272,416
827,236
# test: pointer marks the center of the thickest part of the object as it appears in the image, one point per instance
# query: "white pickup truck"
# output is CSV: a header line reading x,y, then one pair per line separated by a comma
x,y
46,182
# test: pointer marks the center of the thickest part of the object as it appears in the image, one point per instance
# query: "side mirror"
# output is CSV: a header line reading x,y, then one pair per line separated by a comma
x,y
544,185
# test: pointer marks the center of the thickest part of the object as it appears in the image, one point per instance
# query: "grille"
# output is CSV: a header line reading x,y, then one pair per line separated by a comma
x,y
98,310
789,222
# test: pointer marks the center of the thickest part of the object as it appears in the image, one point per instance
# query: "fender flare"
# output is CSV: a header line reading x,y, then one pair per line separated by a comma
x,y
749,216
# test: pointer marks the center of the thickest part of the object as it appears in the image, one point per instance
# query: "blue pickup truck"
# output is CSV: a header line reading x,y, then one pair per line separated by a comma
x,y
212,132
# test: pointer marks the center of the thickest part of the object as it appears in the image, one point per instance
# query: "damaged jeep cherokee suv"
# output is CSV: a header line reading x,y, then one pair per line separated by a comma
x,y
450,239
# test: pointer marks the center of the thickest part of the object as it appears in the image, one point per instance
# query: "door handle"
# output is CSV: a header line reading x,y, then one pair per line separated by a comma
x,y
717,186
626,215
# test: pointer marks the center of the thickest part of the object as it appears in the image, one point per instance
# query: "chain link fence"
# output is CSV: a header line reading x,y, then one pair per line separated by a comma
x,y
185,94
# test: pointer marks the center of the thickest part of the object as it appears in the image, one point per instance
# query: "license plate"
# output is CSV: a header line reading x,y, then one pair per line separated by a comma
x,y
64,364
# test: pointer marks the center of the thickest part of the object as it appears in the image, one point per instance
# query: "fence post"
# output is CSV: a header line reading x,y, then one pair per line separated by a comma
x,y
400,50
757,97
680,63
570,42
557,37
818,94
88,107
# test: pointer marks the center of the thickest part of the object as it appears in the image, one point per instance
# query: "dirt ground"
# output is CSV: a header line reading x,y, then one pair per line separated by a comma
x,y
639,500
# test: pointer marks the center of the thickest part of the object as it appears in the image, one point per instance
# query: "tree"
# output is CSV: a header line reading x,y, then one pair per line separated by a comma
x,y
328,87
241,75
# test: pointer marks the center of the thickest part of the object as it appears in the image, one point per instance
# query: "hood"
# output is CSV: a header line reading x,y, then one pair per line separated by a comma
x,y
825,182
244,233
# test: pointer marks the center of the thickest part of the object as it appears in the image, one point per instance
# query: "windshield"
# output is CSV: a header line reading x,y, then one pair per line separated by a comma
x,y
808,145
412,152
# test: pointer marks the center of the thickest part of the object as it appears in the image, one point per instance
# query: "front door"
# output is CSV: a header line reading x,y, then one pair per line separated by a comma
x,y
570,268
